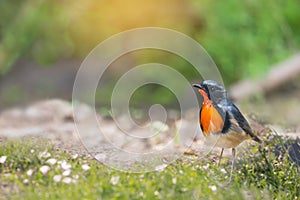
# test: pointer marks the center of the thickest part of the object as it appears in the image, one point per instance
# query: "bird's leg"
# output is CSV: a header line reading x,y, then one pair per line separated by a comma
x,y
220,156
232,165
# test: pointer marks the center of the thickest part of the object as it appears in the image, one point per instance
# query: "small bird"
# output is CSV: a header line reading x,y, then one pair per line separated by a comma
x,y
221,121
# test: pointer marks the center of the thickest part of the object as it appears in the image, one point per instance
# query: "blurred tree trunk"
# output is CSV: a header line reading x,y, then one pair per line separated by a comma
x,y
278,75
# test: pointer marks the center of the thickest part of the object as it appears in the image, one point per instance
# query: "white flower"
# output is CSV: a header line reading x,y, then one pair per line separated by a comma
x,y
76,176
184,189
160,168
114,180
32,151
75,156
3,159
174,180
206,166
141,194
213,187
67,180
25,181
51,161
223,170
29,172
64,165
156,193
67,172
44,154
44,169
85,167
57,178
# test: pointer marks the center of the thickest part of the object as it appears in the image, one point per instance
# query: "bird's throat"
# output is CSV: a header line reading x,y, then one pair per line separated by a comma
x,y
204,94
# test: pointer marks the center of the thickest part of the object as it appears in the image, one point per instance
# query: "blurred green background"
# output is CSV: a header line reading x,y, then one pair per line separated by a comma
x,y
42,43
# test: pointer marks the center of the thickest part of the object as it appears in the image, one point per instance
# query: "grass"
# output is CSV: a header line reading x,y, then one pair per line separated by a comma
x,y
263,174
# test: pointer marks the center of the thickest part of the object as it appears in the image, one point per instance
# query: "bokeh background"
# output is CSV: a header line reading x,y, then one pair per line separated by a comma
x,y
43,42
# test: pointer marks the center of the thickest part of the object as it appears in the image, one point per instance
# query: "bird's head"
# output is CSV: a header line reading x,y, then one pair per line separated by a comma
x,y
212,90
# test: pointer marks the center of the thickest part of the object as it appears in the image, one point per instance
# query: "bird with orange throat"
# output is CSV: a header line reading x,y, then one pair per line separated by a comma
x,y
221,121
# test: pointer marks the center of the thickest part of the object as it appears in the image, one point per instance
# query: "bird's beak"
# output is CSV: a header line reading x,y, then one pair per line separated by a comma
x,y
199,86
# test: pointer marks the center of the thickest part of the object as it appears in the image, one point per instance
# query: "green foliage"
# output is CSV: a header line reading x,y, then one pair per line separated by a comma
x,y
25,25
243,37
246,37
262,174
273,169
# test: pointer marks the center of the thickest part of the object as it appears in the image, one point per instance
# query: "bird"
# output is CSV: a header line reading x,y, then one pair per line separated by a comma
x,y
221,122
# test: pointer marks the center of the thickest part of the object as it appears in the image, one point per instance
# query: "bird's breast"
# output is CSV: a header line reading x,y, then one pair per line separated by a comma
x,y
210,119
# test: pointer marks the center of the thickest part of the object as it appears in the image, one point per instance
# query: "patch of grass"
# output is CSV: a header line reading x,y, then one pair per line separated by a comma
x,y
261,175
276,169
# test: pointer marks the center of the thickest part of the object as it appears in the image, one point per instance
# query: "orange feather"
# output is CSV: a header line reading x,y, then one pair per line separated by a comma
x,y
211,121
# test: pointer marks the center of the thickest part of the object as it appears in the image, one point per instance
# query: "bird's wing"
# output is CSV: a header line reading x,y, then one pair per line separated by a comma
x,y
242,122
227,125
